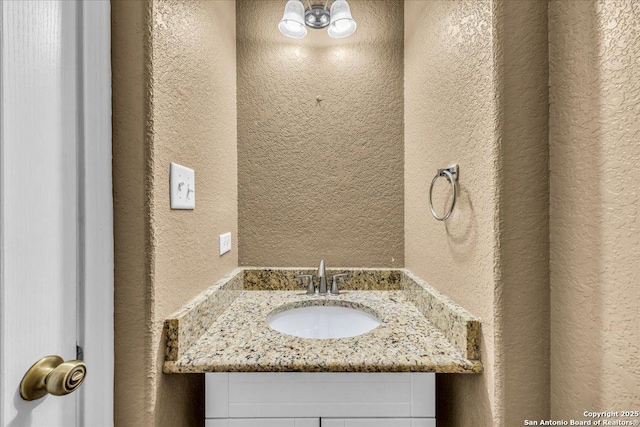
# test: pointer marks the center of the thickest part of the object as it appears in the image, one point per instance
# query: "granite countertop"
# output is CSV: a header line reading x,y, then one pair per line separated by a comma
x,y
225,328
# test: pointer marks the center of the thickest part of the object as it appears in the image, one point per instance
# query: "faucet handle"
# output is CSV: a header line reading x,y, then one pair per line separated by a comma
x,y
311,288
321,269
334,284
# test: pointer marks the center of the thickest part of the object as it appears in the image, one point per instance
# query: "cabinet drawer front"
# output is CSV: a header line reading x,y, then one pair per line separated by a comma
x,y
282,395
379,422
263,422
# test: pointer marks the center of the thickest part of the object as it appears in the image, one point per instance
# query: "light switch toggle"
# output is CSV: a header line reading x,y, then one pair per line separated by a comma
x,y
183,187
189,190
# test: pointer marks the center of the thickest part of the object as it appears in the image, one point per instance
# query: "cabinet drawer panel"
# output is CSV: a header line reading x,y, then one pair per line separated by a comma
x,y
263,422
325,392
283,409
280,395
379,422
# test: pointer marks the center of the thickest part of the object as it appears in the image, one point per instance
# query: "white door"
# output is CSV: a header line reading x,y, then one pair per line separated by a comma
x,y
56,263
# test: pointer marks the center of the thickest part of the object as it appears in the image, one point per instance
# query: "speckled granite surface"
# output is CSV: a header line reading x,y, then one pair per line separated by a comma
x,y
283,279
241,341
458,325
186,325
224,329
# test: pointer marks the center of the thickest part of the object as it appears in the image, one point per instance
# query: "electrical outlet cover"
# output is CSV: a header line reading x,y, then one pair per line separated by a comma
x,y
183,187
225,243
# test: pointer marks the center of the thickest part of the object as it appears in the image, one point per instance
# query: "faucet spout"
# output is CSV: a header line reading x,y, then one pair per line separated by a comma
x,y
323,279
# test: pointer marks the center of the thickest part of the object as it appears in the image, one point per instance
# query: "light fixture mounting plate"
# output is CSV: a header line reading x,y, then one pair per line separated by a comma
x,y
317,17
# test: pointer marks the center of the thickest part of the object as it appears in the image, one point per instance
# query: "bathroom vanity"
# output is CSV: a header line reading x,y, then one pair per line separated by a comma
x,y
257,376
320,399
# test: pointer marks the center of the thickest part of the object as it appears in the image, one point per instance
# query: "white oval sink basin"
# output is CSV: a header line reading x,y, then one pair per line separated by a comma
x,y
323,322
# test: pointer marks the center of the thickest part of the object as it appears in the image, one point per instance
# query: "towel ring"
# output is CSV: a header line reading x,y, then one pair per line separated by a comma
x,y
451,172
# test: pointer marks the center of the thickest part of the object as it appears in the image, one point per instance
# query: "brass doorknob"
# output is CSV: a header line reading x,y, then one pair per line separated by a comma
x,y
52,375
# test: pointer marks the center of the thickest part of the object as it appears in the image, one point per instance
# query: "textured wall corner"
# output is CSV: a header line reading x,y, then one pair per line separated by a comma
x,y
476,94
450,116
133,386
320,140
174,68
194,124
595,234
522,298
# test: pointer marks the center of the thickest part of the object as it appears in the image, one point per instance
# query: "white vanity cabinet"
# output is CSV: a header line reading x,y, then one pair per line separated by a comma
x,y
378,422
262,422
291,399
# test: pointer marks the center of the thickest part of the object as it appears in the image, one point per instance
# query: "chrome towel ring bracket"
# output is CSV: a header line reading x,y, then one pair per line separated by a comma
x,y
452,173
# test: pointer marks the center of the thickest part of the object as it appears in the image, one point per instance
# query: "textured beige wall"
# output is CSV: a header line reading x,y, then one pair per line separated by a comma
x,y
450,116
595,234
475,94
320,179
194,124
183,54
522,295
134,358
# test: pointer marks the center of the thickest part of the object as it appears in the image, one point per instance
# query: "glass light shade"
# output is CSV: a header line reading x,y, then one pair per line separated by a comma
x,y
292,23
342,23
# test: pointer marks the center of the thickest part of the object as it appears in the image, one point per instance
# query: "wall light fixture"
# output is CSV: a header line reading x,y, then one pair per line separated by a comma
x,y
296,19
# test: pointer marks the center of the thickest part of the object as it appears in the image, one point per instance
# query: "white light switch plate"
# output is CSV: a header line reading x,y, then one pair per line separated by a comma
x,y
225,243
183,187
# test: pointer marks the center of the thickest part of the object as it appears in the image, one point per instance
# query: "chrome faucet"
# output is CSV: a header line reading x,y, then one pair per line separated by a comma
x,y
322,288
323,279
